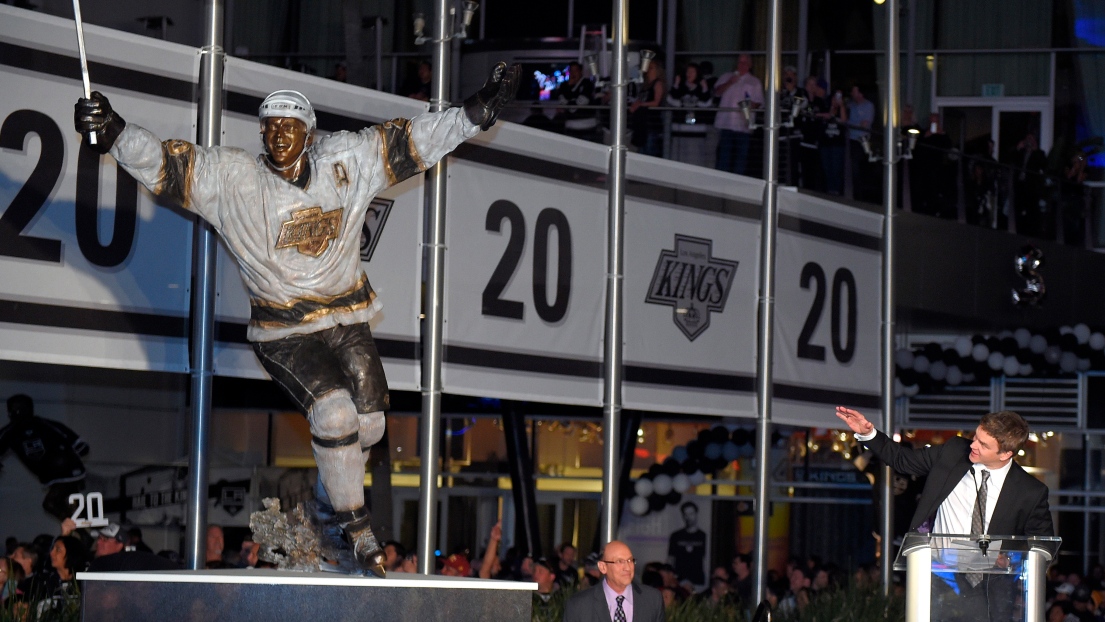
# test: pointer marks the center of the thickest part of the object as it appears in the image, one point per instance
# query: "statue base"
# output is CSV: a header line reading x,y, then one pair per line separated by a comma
x,y
283,595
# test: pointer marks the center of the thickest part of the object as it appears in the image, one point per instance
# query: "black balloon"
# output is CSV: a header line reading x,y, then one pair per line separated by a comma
x,y
704,435
695,449
741,437
776,437
950,357
1008,346
977,339
1068,342
670,466
673,498
657,502
655,470
933,351
719,434
690,465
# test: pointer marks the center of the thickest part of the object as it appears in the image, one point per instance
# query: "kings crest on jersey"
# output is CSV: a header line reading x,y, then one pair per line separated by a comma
x,y
693,282
298,249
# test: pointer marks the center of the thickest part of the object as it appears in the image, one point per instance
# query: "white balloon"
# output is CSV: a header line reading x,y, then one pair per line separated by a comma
x,y
938,370
980,352
1052,354
1025,370
697,478
1038,343
963,346
912,390
921,364
681,483
1068,362
661,485
996,361
638,505
1082,333
968,378
1011,366
903,358
1083,364
1005,333
1022,335
643,487
1065,329
954,376
899,388
1097,341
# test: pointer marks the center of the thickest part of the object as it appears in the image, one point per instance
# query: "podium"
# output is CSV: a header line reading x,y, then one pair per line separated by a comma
x,y
952,577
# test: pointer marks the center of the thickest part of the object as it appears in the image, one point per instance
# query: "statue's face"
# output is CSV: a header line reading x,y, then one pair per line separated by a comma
x,y
285,138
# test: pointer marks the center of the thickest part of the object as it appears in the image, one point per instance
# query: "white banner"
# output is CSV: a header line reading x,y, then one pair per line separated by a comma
x,y
505,336
828,293
690,310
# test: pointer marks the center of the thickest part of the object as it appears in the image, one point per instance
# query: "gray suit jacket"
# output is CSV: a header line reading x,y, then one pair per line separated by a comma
x,y
589,605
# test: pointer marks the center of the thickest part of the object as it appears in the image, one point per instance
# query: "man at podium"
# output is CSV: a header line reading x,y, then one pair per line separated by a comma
x,y
972,487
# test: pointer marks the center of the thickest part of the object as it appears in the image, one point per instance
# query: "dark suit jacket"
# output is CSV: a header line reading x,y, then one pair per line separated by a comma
x,y
1021,509
589,605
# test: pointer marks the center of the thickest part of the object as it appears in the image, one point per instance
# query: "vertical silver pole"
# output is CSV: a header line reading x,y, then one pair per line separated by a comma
x,y
208,134
660,31
911,56
765,339
890,193
1086,486
435,289
571,17
615,235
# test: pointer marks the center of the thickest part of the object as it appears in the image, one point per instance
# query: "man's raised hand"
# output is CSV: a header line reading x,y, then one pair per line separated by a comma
x,y
855,420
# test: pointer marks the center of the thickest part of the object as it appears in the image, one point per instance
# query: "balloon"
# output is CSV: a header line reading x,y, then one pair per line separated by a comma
x,y
1052,354
1011,366
673,498
680,454
1038,343
903,358
741,437
1025,369
1097,341
1068,362
638,505
1022,336
729,451
996,361
719,434
670,466
950,357
1083,364
1068,342
1065,330
899,388
938,370
1008,346
963,346
656,502
1082,333
912,390
980,352
969,378
908,377
1025,264
690,466
921,364
954,376
1004,334
694,449
643,487
681,483
661,485
713,451
697,478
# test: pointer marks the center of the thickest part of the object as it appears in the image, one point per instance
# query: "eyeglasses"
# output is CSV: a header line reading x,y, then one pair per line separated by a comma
x,y
619,562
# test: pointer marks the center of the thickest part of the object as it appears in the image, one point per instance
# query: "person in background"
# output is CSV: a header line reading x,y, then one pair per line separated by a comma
x,y
567,574
420,87
734,133
832,143
647,123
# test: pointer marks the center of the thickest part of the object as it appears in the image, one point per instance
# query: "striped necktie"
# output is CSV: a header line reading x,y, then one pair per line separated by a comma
x,y
977,516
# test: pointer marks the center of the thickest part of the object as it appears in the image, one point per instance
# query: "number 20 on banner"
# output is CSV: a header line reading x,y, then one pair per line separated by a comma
x,y
94,504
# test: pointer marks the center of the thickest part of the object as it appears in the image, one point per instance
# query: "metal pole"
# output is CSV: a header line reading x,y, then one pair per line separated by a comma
x,y
1087,474
208,131
435,289
612,348
890,162
765,339
911,56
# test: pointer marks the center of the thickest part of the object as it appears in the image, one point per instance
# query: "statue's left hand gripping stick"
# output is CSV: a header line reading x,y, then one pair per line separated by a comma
x,y
84,59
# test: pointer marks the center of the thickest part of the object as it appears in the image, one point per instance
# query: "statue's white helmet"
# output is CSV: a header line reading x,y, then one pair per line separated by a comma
x,y
288,104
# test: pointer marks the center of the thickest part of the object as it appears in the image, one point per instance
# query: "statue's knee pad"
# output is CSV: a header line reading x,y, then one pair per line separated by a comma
x,y
333,419
371,428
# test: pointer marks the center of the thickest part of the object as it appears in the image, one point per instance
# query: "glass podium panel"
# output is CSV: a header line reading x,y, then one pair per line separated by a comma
x,y
953,577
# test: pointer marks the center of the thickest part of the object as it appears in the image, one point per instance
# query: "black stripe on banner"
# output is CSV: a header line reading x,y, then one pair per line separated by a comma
x,y
105,75
692,379
826,396
829,232
37,314
478,357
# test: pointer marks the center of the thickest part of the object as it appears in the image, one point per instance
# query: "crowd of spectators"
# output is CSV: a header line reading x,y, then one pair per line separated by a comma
x,y
1074,598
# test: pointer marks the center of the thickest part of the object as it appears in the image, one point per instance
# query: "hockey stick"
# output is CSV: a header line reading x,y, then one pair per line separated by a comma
x,y
84,59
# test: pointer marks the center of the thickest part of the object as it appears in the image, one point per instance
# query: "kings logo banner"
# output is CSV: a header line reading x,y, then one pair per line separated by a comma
x,y
693,282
